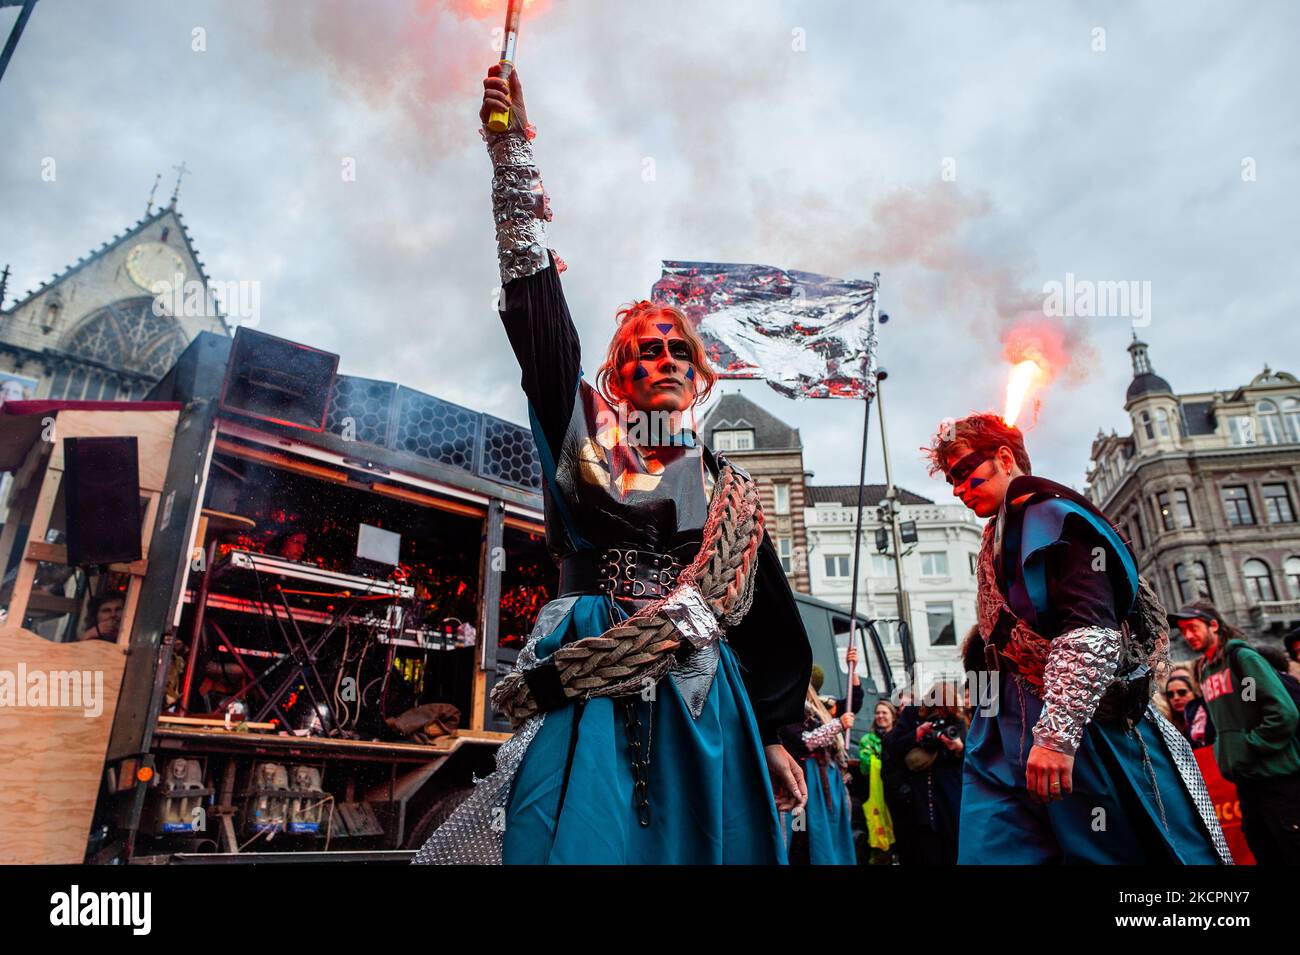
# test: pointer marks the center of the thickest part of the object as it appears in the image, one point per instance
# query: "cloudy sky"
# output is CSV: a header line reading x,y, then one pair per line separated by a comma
x,y
969,152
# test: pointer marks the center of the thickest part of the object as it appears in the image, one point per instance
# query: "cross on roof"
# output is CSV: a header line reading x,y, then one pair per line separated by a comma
x,y
181,170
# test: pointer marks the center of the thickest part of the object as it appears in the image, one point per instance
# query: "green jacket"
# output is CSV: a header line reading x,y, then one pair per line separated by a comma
x,y
1253,715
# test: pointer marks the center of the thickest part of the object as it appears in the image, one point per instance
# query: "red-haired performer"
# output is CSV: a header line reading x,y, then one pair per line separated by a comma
x,y
609,765
1071,763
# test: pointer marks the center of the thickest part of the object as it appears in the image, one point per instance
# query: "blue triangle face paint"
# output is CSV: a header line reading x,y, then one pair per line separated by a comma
x,y
976,482
690,374
664,328
640,372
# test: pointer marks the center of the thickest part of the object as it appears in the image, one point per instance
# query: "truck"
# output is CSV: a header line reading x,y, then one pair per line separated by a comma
x,y
296,661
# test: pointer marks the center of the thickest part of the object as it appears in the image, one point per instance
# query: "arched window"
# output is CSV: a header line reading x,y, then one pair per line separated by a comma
x,y
1162,422
1291,418
1292,569
1259,581
1270,423
1146,426
1193,581
128,335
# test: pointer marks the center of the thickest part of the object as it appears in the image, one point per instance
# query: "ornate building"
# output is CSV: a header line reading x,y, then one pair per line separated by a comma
x,y
770,450
92,331
1205,487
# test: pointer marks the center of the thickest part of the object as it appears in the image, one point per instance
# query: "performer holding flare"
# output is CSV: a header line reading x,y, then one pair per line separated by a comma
x,y
648,699
1071,763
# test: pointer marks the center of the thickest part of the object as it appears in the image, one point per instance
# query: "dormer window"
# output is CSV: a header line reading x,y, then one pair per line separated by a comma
x,y
733,439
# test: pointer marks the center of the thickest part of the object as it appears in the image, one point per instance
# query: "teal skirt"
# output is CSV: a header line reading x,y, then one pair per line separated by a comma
x,y
710,798
830,830
1129,805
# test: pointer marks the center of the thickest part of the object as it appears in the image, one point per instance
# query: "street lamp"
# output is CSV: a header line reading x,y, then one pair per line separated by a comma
x,y
892,508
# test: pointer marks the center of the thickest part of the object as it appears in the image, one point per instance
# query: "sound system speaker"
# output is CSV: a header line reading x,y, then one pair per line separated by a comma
x,y
277,380
101,497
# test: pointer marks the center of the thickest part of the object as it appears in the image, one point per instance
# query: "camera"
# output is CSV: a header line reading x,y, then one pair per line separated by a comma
x,y
940,726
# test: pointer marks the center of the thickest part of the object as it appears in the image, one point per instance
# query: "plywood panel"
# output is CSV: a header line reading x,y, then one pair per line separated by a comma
x,y
52,757
153,430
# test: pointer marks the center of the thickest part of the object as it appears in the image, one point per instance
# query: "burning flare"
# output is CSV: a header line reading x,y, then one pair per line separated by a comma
x,y
1026,378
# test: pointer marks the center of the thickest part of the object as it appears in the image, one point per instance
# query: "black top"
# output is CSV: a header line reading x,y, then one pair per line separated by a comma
x,y
1078,594
598,496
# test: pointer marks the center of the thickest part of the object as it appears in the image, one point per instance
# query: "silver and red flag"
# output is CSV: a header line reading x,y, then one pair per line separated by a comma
x,y
806,335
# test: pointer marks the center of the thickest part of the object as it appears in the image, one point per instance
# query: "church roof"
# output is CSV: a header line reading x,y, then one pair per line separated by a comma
x,y
734,410
96,254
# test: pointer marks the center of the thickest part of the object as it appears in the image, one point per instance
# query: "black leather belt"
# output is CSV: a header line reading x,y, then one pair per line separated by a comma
x,y
621,572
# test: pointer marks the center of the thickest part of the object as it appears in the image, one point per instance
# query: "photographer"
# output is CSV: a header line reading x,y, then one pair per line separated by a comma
x,y
929,741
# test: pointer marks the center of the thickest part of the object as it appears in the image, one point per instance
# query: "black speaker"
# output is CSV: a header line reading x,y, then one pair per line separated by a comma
x,y
101,497
278,380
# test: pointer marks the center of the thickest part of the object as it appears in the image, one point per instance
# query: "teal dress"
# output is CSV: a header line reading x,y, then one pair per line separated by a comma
x,y
574,795
823,835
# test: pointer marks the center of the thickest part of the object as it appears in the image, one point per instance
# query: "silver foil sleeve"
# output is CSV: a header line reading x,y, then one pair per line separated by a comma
x,y
1080,665
823,735
520,206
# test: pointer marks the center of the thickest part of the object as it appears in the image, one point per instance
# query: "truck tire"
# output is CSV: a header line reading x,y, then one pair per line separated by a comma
x,y
436,815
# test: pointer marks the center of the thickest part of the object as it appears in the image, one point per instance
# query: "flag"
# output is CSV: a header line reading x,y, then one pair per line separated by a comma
x,y
806,335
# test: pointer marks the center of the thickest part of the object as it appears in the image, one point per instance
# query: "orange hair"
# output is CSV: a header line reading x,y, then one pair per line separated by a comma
x,y
632,321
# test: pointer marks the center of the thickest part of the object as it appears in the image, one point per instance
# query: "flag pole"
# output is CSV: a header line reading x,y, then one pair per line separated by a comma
x,y
869,389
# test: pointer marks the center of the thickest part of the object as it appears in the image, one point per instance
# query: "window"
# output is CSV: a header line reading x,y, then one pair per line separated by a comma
x,y
1236,506
940,620
934,564
1166,512
781,494
1193,582
1259,581
1292,570
837,565
1137,526
783,548
882,565
974,564
1175,509
1270,423
1162,422
734,439
1291,418
1277,504
1242,429
1146,426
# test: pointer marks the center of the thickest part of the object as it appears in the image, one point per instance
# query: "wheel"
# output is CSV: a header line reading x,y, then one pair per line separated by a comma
x,y
436,815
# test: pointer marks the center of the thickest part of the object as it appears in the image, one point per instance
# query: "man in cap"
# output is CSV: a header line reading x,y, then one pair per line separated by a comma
x,y
1255,719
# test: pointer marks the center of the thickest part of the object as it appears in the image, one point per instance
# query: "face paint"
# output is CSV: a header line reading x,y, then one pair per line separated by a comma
x,y
975,482
690,373
665,328
640,372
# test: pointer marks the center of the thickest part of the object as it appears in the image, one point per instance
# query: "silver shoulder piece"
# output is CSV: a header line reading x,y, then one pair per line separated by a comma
x,y
520,206
1080,665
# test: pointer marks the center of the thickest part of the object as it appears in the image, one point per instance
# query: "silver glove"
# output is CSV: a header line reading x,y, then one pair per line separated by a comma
x,y
1080,665
823,735
520,206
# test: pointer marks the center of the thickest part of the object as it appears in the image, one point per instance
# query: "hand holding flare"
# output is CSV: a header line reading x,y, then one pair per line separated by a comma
x,y
503,95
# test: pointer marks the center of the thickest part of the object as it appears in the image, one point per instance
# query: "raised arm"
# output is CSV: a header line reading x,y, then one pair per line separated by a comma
x,y
533,310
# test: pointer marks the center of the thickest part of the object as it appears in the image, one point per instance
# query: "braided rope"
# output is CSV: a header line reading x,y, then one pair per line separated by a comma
x,y
642,647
